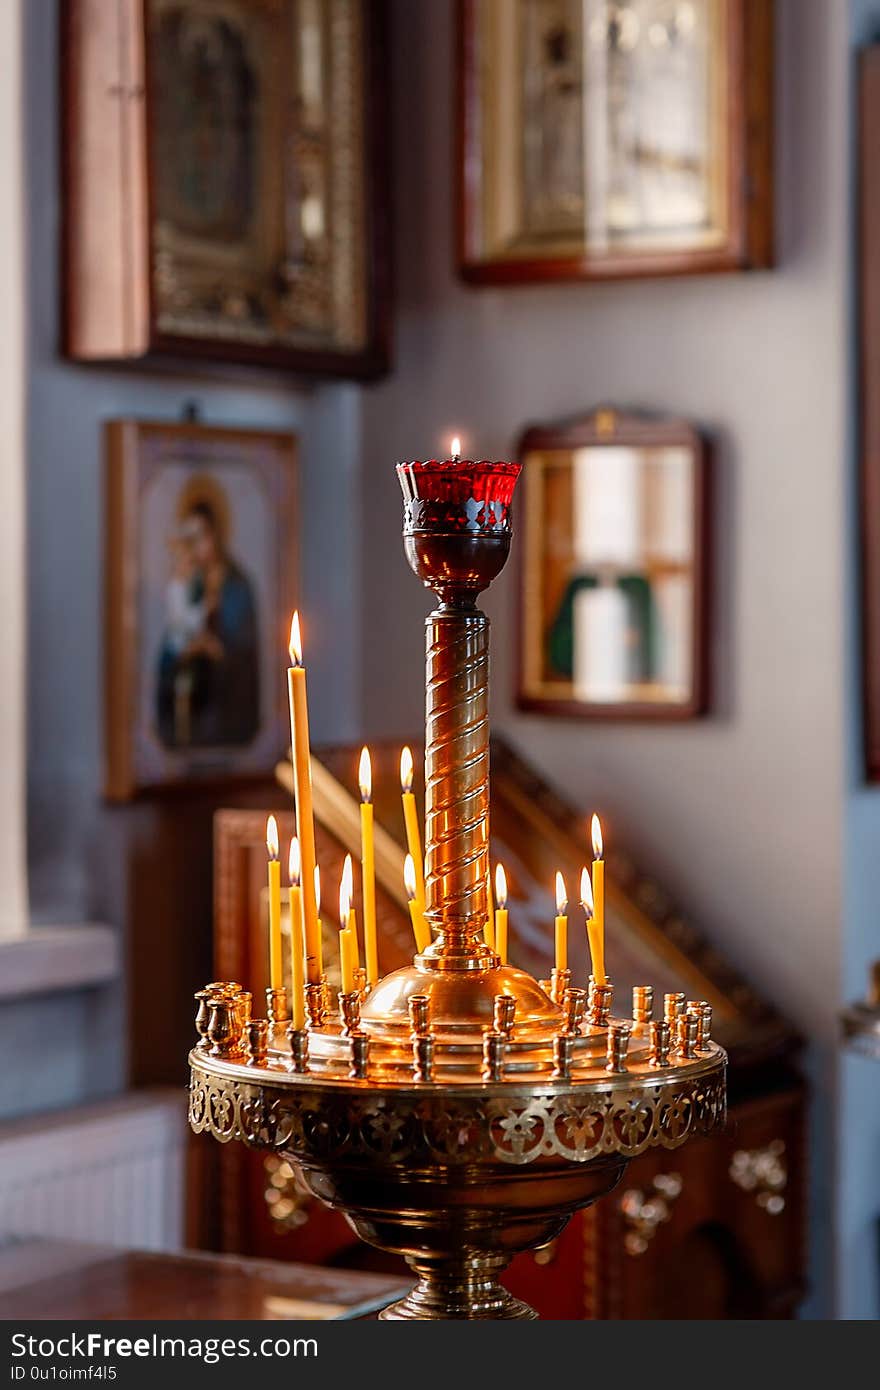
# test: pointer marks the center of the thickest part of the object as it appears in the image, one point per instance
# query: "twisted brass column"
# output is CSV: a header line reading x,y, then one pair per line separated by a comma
x,y
457,782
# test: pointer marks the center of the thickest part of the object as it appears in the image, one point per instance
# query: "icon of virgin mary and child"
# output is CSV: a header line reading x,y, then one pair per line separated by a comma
x,y
208,679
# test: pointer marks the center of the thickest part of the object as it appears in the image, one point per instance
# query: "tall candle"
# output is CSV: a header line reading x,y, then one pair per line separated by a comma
x,y
275,972
316,879
594,939
297,962
501,912
421,930
302,783
350,922
411,821
598,899
560,926
346,957
368,867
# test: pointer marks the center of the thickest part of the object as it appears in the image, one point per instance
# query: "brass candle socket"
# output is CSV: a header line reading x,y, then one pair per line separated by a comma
x,y
643,1004
205,998
316,1005
618,1042
673,1006
299,1048
224,1028
419,1014
360,1056
277,1009
686,1035
563,1054
574,1008
599,1005
703,1014
559,983
494,1048
423,1057
258,1039
350,1012
503,1014
661,1039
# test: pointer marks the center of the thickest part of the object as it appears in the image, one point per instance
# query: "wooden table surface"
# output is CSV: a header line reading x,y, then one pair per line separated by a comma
x,y
53,1279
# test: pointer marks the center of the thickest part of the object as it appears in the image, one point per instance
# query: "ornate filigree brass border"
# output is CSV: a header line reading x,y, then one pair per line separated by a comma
x,y
329,1122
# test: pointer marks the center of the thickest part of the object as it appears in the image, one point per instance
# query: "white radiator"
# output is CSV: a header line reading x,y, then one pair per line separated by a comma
x,y
111,1174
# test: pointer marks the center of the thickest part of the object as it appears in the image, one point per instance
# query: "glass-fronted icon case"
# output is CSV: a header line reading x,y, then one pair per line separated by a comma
x,y
613,591
614,137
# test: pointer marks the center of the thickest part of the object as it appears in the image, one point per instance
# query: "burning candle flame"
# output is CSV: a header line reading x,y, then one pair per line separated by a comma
x,y
344,903
294,863
348,879
295,648
500,886
561,895
317,888
272,837
455,447
409,877
365,775
596,834
586,892
406,770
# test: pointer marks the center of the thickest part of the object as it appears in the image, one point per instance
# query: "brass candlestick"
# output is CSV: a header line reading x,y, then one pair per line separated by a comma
x,y
458,1113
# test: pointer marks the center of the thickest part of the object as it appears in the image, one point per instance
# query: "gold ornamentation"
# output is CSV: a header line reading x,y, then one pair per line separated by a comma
x,y
644,1212
763,1172
315,1122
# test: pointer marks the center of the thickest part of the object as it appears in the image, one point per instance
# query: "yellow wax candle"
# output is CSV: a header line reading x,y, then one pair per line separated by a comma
x,y
346,957
411,821
317,882
561,924
598,928
368,867
302,782
489,928
421,929
594,938
350,923
275,972
501,913
297,955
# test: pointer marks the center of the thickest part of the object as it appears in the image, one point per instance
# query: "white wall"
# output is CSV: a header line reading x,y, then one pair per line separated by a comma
x,y
740,814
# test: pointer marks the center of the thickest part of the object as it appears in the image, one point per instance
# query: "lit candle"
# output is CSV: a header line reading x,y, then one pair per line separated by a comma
x,y
351,922
297,963
302,783
501,912
346,957
411,821
316,878
421,930
455,448
274,904
594,939
561,924
598,927
368,866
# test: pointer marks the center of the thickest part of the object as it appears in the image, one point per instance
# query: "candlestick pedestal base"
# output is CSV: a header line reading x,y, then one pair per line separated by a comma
x,y
463,1289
